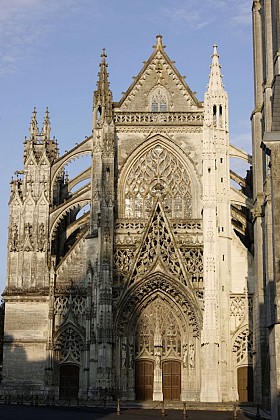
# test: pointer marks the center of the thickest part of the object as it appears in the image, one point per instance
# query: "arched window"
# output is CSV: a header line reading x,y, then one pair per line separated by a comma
x,y
158,169
159,101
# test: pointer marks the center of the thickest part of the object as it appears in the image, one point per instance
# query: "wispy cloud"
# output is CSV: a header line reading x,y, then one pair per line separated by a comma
x,y
242,14
25,24
201,14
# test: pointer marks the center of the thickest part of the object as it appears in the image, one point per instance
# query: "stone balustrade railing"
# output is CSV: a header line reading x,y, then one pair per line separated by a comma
x,y
169,118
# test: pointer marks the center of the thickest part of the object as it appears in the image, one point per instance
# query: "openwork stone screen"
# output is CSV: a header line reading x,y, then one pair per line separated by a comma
x,y
158,170
157,320
243,347
69,346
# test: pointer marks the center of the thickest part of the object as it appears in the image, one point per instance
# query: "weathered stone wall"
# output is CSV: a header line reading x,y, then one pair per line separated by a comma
x,y
25,339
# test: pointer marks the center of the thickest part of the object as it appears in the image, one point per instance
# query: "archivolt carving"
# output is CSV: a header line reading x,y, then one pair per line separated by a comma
x,y
147,290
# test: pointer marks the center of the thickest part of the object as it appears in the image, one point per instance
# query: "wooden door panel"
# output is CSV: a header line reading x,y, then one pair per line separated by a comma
x,y
245,383
171,380
144,380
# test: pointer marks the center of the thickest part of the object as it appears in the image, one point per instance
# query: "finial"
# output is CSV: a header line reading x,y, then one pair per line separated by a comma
x,y
159,45
103,56
215,77
215,51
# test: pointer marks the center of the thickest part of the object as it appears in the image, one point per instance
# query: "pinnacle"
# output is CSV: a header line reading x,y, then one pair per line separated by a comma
x,y
215,77
46,125
33,125
103,94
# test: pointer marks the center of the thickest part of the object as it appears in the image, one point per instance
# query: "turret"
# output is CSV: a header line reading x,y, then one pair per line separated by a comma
x,y
29,211
216,226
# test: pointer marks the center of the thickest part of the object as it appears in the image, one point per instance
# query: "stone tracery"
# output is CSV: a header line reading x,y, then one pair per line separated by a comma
x,y
168,329
69,345
158,168
158,243
243,346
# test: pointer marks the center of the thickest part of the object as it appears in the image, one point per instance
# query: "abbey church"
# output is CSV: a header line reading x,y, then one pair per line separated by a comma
x,y
150,292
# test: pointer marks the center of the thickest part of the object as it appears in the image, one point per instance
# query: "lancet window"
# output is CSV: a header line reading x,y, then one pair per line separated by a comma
x,y
159,101
158,171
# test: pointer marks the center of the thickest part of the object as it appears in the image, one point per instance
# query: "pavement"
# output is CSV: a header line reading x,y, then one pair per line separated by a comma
x,y
28,412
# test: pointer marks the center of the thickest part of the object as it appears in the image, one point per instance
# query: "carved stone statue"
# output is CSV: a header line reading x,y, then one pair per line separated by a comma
x,y
192,356
124,357
14,238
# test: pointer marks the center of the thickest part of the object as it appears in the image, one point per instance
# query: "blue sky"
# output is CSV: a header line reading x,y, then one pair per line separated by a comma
x,y
50,53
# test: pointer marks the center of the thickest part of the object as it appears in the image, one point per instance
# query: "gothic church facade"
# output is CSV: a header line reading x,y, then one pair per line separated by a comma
x,y
148,294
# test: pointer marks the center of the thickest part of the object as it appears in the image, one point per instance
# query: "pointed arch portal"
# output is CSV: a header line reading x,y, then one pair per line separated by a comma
x,y
158,340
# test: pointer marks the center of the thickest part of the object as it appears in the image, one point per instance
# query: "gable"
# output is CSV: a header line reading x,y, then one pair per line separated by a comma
x,y
158,251
159,79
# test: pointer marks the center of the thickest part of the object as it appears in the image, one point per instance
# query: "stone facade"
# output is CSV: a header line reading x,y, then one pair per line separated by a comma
x,y
266,210
148,295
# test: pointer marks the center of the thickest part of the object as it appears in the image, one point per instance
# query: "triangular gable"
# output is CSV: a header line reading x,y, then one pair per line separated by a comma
x,y
31,159
44,159
158,251
158,72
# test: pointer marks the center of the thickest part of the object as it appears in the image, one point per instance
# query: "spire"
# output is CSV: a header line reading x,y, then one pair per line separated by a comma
x,y
46,129
34,125
215,77
103,94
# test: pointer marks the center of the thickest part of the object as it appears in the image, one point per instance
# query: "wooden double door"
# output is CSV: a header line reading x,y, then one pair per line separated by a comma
x,y
171,380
